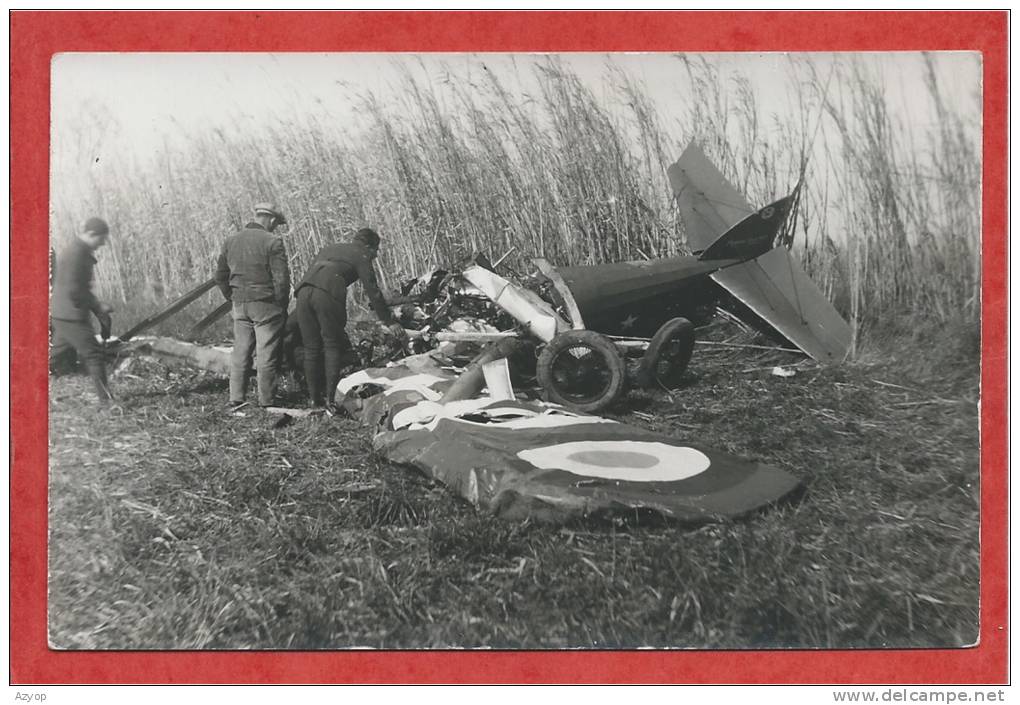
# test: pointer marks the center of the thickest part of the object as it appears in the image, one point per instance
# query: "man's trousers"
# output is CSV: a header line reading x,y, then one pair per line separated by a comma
x,y
258,331
81,337
327,349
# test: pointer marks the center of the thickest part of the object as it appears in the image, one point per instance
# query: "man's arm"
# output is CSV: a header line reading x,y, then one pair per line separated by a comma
x,y
280,270
366,273
83,298
222,275
81,288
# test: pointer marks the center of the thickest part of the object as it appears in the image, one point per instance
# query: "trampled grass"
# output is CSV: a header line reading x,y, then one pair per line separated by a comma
x,y
174,525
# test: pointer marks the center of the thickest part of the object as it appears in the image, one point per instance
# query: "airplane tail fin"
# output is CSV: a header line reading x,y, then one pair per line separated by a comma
x,y
753,236
778,290
723,227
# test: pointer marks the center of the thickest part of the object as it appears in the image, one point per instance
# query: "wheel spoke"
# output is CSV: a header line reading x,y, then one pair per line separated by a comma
x,y
581,369
581,373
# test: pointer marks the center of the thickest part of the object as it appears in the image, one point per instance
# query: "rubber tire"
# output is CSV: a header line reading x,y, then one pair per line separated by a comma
x,y
670,331
596,342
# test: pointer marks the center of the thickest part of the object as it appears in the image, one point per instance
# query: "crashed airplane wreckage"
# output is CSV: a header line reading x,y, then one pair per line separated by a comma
x,y
578,333
601,328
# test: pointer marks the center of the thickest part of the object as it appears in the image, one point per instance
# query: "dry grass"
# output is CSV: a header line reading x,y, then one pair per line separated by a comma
x,y
176,526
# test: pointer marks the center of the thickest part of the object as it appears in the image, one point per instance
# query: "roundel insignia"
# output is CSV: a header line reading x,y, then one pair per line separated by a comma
x,y
767,212
632,461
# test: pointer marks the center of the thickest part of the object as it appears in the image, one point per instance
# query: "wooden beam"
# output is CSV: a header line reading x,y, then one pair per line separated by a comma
x,y
204,357
210,318
170,310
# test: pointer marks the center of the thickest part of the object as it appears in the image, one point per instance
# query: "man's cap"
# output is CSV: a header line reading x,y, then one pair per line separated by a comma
x,y
96,225
266,208
368,236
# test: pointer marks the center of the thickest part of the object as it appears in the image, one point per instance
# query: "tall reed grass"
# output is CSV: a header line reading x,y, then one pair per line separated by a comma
x,y
888,219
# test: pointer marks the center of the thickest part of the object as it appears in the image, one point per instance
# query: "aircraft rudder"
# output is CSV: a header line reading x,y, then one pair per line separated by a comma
x,y
753,236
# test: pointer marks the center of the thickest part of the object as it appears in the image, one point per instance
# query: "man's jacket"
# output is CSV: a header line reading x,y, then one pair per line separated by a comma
x,y
338,266
253,267
73,299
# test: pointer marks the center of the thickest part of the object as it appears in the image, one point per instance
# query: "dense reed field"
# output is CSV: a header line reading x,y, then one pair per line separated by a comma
x,y
541,162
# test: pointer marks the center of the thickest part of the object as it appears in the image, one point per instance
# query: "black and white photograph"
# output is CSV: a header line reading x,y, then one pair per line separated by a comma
x,y
514,351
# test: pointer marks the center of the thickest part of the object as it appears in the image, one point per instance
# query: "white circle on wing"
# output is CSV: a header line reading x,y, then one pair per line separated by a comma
x,y
634,461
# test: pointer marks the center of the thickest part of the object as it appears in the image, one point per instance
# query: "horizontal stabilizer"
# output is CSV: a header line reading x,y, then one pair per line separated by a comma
x,y
709,205
753,236
778,290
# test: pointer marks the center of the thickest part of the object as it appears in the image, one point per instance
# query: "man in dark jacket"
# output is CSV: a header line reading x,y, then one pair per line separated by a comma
x,y
253,273
322,310
73,302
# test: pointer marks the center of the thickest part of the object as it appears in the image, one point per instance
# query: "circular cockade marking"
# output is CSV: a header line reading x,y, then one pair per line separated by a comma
x,y
614,458
633,461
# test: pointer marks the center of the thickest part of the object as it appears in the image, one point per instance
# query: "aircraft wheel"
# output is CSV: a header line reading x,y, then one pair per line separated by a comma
x,y
668,355
581,370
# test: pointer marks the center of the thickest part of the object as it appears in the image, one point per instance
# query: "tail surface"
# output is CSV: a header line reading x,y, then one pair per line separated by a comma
x,y
753,236
723,228
709,204
778,290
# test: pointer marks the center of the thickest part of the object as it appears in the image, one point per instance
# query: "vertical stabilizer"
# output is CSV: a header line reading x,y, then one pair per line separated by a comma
x,y
753,236
709,204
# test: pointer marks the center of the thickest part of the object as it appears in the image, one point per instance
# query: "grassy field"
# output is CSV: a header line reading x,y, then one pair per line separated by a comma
x,y
174,525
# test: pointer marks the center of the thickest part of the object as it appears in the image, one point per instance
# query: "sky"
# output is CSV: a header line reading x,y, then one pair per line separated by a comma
x,y
133,105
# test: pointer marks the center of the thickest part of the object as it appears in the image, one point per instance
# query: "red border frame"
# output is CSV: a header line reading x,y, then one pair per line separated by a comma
x,y
36,36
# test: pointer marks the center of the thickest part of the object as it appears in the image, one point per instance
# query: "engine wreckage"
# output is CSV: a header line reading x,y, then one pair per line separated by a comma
x,y
497,394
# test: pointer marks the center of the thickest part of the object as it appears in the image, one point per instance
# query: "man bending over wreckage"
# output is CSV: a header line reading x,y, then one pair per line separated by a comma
x,y
73,301
322,311
253,274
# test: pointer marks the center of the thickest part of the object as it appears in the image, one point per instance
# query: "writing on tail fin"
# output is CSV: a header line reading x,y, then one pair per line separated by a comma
x,y
753,236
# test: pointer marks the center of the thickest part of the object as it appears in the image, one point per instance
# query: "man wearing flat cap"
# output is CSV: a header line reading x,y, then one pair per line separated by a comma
x,y
73,302
322,310
253,274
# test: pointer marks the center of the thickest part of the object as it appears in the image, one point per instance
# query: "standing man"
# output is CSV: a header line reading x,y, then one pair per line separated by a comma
x,y
322,310
73,301
252,272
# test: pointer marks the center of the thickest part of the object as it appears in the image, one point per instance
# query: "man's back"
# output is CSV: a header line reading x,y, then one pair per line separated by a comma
x,y
336,267
253,267
72,295
339,265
